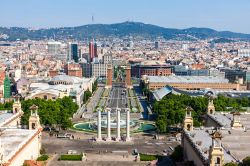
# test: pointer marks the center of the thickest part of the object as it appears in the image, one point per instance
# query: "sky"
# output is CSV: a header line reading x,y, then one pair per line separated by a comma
x,y
233,15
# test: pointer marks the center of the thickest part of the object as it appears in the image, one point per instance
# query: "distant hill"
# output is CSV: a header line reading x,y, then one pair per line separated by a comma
x,y
118,30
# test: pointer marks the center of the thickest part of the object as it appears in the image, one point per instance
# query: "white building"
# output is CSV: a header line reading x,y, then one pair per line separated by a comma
x,y
100,69
61,86
244,52
54,47
16,144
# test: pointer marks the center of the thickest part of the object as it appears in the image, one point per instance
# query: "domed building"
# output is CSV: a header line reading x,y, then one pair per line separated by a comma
x,y
61,86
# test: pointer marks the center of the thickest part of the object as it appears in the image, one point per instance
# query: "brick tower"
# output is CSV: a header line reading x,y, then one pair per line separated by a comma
x,y
109,76
128,77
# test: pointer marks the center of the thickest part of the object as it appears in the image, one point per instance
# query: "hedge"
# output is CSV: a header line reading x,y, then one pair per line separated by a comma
x,y
71,157
146,157
43,158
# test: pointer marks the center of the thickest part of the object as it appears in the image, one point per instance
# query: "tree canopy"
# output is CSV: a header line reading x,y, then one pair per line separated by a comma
x,y
6,106
171,109
57,112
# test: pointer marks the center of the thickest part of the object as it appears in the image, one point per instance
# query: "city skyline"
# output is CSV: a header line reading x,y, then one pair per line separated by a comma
x,y
222,15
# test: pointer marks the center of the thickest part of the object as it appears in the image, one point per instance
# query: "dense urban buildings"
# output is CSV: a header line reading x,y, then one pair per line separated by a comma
x,y
128,86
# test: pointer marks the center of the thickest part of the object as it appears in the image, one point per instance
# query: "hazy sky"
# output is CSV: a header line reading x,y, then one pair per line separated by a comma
x,y
233,15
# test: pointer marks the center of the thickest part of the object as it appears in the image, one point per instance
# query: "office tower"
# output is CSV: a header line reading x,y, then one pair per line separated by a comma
x,y
212,44
185,47
91,51
54,47
72,52
95,50
79,53
131,44
156,45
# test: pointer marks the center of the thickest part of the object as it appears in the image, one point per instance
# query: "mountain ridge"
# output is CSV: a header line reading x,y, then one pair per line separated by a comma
x,y
119,30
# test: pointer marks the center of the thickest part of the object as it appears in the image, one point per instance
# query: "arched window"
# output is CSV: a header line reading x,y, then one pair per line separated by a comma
x,y
218,160
33,126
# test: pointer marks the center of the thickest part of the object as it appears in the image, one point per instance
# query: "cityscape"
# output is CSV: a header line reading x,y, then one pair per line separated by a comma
x,y
124,83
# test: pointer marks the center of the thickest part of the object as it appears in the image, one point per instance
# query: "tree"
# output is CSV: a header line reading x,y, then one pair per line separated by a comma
x,y
171,109
177,155
246,161
87,95
231,164
94,86
51,113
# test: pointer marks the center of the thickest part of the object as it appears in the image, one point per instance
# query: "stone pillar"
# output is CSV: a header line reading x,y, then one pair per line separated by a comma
x,y
128,125
118,136
128,77
108,125
99,127
109,76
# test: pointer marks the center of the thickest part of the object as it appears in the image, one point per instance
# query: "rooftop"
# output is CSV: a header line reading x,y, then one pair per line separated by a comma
x,y
160,93
5,116
225,119
19,137
186,79
202,141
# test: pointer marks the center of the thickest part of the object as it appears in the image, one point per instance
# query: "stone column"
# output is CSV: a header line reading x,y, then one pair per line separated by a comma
x,y
118,136
128,125
108,125
109,76
128,77
99,130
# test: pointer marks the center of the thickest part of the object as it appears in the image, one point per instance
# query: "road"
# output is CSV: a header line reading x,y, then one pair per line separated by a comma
x,y
143,143
117,97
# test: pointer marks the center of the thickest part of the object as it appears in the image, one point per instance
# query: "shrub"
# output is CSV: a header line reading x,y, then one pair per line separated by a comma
x,y
231,164
146,157
42,151
43,158
74,157
246,161
177,155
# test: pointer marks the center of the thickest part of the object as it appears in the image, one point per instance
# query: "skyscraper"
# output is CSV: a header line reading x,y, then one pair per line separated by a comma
x,y
95,50
73,52
92,50
54,47
156,45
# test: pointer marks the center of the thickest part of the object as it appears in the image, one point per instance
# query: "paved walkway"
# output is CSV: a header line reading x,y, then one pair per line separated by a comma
x,y
98,160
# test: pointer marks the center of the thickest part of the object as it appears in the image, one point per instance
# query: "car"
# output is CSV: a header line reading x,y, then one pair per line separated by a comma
x,y
135,152
72,152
